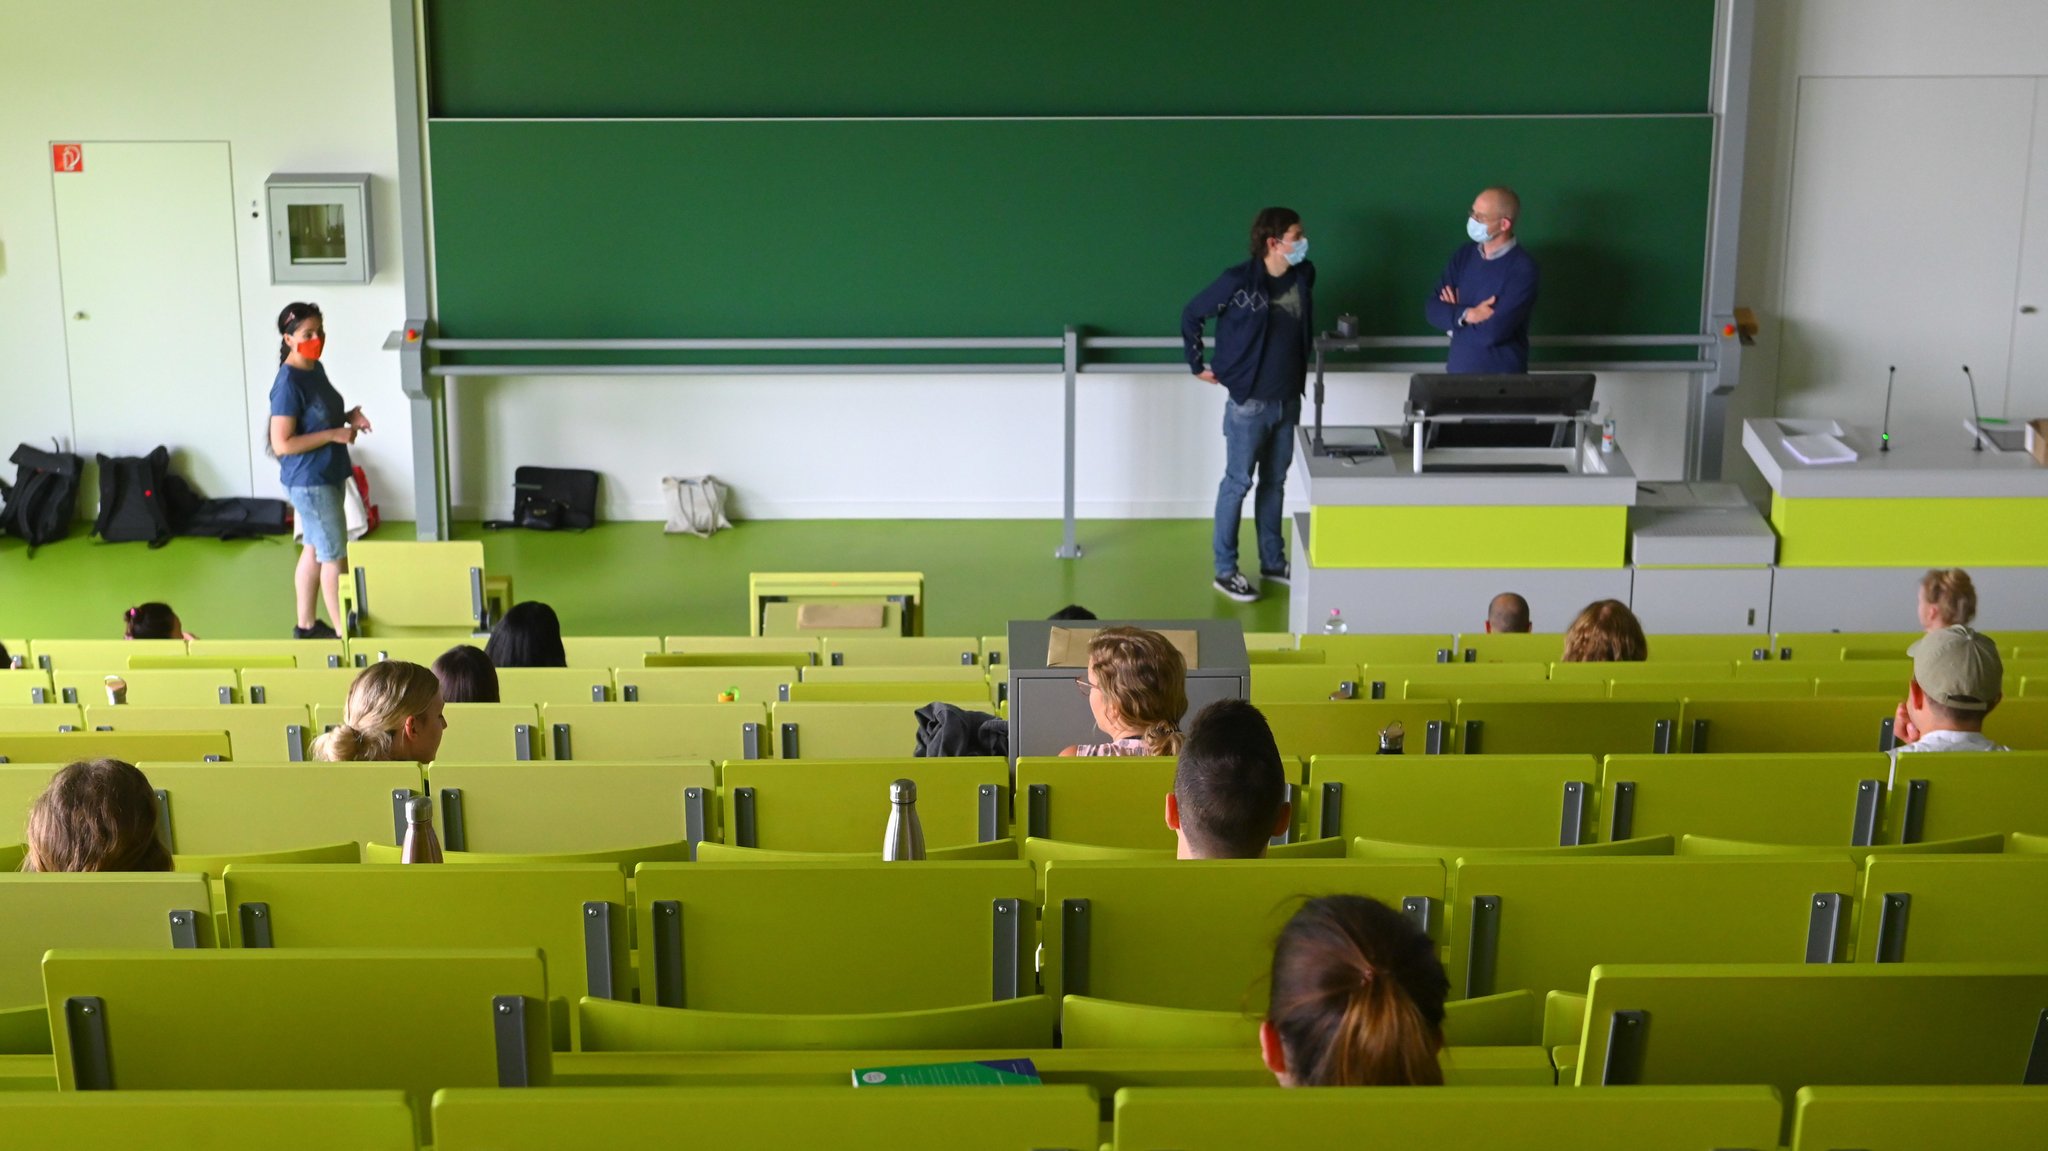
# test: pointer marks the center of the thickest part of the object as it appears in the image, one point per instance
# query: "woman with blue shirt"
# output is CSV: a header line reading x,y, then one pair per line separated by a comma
x,y
309,435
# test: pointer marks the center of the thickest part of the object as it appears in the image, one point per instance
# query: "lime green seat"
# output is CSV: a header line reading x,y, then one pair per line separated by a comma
x,y
1353,727
843,806
786,655
713,852
1499,801
1448,854
1598,727
1386,680
1708,845
900,651
2021,724
1356,649
1113,802
20,785
575,915
757,686
11,855
212,1120
1043,851
1025,1022
196,687
1196,933
899,1119
422,650
481,732
263,733
226,808
1953,909
296,1020
973,696
1508,647
604,652
216,865
740,644
537,808
1733,726
408,587
844,730
1644,672
1307,683
884,673
535,686
31,719
142,911
624,859
1834,799
1811,646
25,685
279,660
1944,796
833,938
95,655
2004,1118
304,653
1542,925
306,687
1447,1119
1281,657
1512,1018
651,731
1710,689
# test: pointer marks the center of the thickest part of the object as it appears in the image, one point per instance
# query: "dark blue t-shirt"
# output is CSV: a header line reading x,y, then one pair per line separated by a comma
x,y
307,397
1282,368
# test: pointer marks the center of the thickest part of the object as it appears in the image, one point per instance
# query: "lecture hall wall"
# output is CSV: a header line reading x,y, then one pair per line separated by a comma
x,y
312,91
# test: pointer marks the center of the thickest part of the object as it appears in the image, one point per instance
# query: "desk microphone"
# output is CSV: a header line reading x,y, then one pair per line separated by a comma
x,y
1884,437
1977,430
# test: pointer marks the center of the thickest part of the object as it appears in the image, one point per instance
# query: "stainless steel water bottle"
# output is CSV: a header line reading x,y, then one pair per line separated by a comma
x,y
904,839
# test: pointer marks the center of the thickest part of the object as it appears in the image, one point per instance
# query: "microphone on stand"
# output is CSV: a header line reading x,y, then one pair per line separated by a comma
x,y
1976,420
1884,437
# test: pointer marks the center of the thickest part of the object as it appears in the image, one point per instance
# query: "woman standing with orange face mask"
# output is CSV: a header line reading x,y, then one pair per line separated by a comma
x,y
309,435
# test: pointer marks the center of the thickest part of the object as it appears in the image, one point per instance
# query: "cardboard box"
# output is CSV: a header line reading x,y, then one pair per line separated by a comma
x,y
2037,440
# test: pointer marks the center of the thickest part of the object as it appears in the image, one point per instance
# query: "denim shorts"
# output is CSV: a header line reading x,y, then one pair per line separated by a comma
x,y
323,520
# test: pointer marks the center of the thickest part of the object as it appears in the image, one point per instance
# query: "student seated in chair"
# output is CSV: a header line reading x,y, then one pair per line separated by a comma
x,y
1606,632
1957,680
1229,796
530,635
1137,688
1358,999
96,815
466,675
153,621
1508,614
394,712
1947,597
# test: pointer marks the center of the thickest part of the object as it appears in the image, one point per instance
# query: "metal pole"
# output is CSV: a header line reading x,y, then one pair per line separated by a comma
x,y
423,396
1070,362
1734,49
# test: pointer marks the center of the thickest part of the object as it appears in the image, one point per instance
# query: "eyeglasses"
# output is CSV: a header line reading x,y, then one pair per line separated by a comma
x,y
1083,685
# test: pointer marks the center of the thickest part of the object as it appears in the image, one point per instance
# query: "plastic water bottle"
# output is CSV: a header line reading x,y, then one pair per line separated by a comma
x,y
1335,625
904,838
421,844
1607,438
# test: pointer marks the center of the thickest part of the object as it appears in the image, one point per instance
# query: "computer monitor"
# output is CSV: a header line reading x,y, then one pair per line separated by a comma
x,y
1557,394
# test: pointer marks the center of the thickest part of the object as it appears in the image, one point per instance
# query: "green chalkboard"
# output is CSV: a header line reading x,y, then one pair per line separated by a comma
x,y
1018,227
693,58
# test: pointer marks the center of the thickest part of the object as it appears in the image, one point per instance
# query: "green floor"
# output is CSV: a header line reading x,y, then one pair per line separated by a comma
x,y
630,579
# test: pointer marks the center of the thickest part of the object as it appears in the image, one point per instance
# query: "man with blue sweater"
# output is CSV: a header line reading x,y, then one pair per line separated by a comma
x,y
1488,291
1265,323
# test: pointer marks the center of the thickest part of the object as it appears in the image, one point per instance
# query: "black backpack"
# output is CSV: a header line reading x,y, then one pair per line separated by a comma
x,y
44,499
135,499
239,518
552,499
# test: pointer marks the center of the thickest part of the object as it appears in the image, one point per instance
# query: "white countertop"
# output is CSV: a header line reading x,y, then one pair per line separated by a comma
x,y
1389,480
1925,462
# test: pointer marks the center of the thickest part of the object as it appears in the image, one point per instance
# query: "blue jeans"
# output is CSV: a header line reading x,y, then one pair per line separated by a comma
x,y
1256,434
324,520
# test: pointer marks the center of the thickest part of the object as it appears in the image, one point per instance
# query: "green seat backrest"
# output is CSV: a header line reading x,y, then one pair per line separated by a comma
x,y
21,686
648,731
1499,801
1194,933
488,733
625,859
1946,796
416,584
533,808
1448,854
1830,799
264,733
1734,726
888,673
844,730
95,655
215,1120
742,644
1445,680
1502,647
1707,648
1113,802
758,686
1253,641
715,852
1441,1119
2008,1118
1707,845
197,687
1890,674
1598,727
2021,724
575,915
1711,689
1353,727
844,805
422,650
127,746
901,651
1356,649
899,1119
535,686
915,693
11,855
1306,683
1647,671
1815,646
214,866
1024,1023
1540,692
1954,909
225,808
306,687
608,651
280,660
1043,851
1511,1018
1282,657
29,719
93,910
20,785
1543,924
830,938
1798,1025
305,653
295,1020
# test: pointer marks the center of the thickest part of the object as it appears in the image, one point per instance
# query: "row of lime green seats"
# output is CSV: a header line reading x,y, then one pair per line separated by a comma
x,y
583,651
1282,647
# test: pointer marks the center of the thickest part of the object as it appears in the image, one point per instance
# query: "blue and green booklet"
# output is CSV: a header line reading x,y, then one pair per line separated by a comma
x,y
986,1073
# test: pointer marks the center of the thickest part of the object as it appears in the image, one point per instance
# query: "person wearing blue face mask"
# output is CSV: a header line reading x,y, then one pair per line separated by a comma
x,y
1486,294
1265,321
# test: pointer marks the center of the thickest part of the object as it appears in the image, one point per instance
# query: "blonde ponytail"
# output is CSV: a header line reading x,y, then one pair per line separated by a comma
x,y
381,699
1163,738
346,744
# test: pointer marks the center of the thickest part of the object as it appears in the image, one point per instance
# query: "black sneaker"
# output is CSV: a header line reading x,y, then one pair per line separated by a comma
x,y
1236,587
1278,577
319,630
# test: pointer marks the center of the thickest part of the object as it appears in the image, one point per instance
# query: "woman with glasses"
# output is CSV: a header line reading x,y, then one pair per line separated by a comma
x,y
1137,690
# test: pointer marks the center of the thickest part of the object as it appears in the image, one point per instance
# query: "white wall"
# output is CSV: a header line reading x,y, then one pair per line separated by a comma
x,y
290,88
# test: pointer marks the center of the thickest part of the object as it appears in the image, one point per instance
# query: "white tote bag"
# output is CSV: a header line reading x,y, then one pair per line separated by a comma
x,y
696,504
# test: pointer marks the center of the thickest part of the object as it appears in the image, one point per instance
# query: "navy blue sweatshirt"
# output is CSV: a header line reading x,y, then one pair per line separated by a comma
x,y
1238,301
1500,343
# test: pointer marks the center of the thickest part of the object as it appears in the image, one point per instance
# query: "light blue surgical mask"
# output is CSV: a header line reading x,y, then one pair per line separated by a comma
x,y
1297,251
1476,230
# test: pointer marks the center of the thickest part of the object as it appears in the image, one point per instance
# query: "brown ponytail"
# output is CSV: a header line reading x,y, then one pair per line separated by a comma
x,y
1358,997
1146,682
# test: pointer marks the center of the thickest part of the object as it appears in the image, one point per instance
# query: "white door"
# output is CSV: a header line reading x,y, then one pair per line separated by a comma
x,y
152,308
2027,383
1903,247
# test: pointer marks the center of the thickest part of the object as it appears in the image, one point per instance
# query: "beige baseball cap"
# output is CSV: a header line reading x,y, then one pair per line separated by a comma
x,y
1958,668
